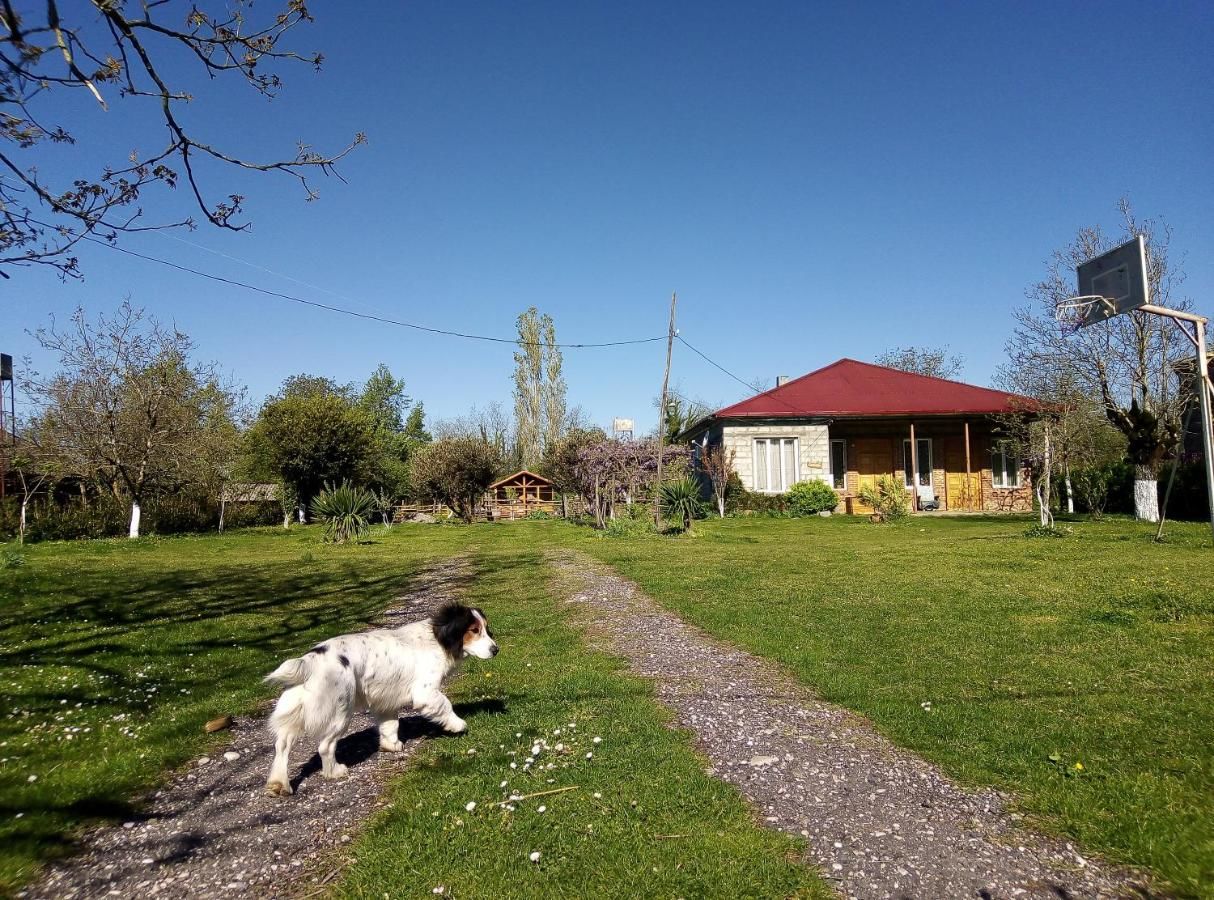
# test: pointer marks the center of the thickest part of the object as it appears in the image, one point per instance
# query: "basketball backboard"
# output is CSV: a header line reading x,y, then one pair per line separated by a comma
x,y
1119,277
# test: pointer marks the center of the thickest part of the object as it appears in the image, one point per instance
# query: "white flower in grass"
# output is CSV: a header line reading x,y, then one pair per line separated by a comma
x,y
439,890
590,756
542,809
598,796
535,856
503,784
560,747
514,765
32,779
471,805
598,740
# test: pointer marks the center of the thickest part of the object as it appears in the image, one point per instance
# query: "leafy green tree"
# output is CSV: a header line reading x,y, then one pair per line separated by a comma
x,y
310,439
383,397
539,387
455,471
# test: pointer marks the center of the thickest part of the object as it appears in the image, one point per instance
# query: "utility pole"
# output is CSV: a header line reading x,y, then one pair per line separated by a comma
x,y
670,333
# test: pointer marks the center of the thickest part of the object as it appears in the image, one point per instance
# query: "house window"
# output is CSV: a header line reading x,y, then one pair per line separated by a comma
x,y
838,464
775,463
1005,468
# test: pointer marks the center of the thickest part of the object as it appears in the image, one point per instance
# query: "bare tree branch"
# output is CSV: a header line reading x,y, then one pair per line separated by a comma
x,y
41,57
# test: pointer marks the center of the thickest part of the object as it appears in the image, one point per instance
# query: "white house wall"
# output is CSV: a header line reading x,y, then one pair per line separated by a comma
x,y
813,449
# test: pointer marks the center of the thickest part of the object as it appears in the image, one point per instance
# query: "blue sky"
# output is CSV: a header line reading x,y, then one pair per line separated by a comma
x,y
814,182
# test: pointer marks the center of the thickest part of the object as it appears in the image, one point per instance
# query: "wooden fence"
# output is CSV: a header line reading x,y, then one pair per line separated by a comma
x,y
492,510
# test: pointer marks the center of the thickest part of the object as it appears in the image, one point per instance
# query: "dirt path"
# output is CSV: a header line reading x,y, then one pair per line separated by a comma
x,y
880,821
212,832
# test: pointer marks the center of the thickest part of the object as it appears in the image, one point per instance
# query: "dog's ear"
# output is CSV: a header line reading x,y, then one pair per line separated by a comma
x,y
450,625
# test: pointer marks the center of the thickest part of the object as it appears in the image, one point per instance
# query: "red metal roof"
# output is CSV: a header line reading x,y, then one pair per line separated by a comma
x,y
853,388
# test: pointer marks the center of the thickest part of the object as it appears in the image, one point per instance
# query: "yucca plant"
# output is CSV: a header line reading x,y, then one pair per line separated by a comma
x,y
344,512
680,501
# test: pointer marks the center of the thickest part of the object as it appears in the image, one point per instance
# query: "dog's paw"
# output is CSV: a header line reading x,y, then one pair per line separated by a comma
x,y
278,789
339,771
457,726
391,746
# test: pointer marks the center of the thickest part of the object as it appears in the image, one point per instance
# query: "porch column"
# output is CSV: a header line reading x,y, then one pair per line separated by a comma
x,y
914,472
969,499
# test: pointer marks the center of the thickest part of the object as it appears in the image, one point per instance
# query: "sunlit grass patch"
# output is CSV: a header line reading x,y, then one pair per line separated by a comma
x,y
1096,647
578,766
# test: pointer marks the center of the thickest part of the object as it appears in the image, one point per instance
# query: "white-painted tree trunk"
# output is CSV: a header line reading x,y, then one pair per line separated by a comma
x,y
1146,495
303,514
21,534
721,505
286,518
135,514
1070,495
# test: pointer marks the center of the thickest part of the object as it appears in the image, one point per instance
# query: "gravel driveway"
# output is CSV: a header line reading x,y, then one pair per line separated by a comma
x,y
212,831
880,822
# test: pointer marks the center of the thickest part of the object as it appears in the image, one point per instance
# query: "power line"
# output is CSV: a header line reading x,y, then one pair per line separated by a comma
x,y
716,365
350,312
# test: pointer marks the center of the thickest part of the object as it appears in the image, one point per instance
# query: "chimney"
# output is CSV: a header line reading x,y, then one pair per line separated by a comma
x,y
781,380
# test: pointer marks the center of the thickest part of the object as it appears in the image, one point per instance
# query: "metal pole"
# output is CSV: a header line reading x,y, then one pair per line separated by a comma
x,y
657,515
1184,430
1204,388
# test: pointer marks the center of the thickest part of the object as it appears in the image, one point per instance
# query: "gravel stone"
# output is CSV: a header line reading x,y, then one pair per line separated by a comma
x,y
880,822
213,832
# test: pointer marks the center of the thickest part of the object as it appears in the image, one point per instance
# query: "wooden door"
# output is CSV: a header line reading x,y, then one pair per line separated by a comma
x,y
962,490
873,459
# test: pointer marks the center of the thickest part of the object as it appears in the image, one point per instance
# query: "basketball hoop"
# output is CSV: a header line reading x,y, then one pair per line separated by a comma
x,y
1074,313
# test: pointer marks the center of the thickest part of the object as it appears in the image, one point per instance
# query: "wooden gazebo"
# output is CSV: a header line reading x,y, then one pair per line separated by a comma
x,y
514,496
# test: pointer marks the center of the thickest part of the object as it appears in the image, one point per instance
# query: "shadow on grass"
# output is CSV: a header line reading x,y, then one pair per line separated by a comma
x,y
362,745
165,650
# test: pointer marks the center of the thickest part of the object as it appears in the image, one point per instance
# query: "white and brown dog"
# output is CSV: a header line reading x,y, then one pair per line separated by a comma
x,y
377,670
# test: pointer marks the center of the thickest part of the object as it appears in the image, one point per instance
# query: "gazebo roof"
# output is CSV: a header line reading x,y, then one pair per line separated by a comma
x,y
518,476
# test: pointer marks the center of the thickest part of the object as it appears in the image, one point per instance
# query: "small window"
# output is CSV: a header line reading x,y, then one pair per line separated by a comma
x,y
775,464
1005,468
838,464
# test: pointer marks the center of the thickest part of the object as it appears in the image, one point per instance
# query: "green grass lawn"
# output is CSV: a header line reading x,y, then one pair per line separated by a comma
x,y
1036,655
113,654
631,812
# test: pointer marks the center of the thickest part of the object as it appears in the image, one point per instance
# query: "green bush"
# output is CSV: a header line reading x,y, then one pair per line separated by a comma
x,y
344,512
888,498
680,502
627,526
808,498
751,503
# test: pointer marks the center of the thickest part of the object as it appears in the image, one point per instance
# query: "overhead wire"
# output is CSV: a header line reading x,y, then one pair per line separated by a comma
x,y
386,320
770,392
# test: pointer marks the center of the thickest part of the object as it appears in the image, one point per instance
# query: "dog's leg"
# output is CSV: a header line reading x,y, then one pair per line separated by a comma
x,y
279,782
327,748
389,731
435,706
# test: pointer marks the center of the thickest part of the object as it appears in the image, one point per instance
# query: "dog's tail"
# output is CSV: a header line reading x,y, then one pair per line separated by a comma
x,y
292,672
